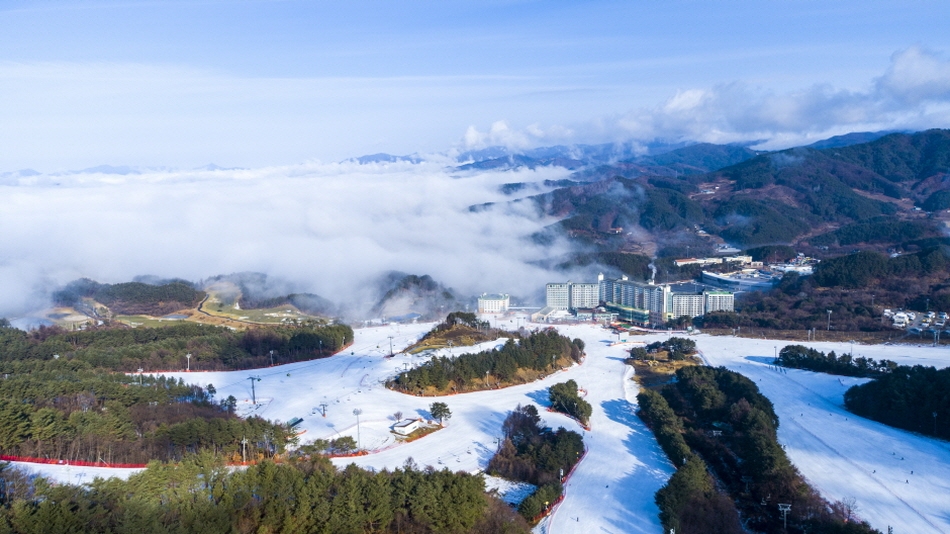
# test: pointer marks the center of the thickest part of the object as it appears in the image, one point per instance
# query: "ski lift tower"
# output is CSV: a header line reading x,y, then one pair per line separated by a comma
x,y
785,508
357,413
253,396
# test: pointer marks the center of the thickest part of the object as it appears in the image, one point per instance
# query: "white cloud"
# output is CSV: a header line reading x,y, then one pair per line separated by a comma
x,y
327,228
913,93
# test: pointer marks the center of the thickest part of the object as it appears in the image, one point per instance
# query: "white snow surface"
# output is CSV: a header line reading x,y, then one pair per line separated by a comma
x,y
898,478
611,490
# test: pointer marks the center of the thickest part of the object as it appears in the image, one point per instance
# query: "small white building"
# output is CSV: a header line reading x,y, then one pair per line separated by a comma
x,y
493,303
407,426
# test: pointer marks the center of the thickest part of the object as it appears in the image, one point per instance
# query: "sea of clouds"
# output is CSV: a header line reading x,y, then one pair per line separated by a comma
x,y
326,228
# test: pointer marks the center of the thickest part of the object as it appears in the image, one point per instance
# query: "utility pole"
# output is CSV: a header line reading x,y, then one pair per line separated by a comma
x,y
253,379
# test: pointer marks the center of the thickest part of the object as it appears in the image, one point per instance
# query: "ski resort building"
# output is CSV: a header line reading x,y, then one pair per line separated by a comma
x,y
493,303
407,426
571,296
643,303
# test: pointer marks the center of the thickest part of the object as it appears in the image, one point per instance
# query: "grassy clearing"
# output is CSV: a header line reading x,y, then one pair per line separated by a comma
x,y
655,372
457,336
144,320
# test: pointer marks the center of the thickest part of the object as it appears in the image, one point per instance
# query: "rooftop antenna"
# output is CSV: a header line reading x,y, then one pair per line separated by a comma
x,y
253,379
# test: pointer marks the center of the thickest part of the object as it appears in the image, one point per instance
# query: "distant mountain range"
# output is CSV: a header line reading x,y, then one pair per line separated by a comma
x,y
668,202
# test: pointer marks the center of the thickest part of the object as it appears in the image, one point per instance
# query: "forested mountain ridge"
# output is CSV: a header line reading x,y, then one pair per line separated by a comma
x,y
784,197
132,297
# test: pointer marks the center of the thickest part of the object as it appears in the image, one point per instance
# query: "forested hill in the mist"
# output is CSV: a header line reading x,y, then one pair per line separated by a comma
x,y
882,192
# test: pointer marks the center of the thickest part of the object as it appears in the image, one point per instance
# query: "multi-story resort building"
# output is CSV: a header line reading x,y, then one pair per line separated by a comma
x,y
643,303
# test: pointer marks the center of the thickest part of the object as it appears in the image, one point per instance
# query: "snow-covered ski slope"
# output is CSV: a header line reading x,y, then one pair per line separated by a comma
x,y
612,489
897,478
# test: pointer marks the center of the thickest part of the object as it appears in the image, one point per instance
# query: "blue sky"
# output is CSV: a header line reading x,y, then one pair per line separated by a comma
x,y
255,83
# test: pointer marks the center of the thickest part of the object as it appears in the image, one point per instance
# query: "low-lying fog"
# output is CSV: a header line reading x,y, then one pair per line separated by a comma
x,y
327,228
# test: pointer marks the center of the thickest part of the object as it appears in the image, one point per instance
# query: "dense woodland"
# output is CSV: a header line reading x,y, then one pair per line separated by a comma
x,y
65,394
714,425
131,297
539,351
308,495
913,398
532,453
564,398
161,349
800,357
69,410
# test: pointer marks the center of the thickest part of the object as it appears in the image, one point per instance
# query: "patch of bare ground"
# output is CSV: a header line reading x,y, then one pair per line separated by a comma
x,y
458,336
658,369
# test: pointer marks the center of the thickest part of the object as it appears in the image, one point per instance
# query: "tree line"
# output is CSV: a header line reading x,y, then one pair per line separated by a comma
x,y
913,398
69,410
306,494
164,348
541,350
537,455
64,394
714,424
801,357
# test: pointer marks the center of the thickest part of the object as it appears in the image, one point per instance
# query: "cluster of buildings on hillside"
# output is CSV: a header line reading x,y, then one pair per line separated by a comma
x,y
650,304
642,303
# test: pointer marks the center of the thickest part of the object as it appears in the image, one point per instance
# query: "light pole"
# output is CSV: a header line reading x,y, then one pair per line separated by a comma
x,y
829,320
357,412
188,365
271,358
